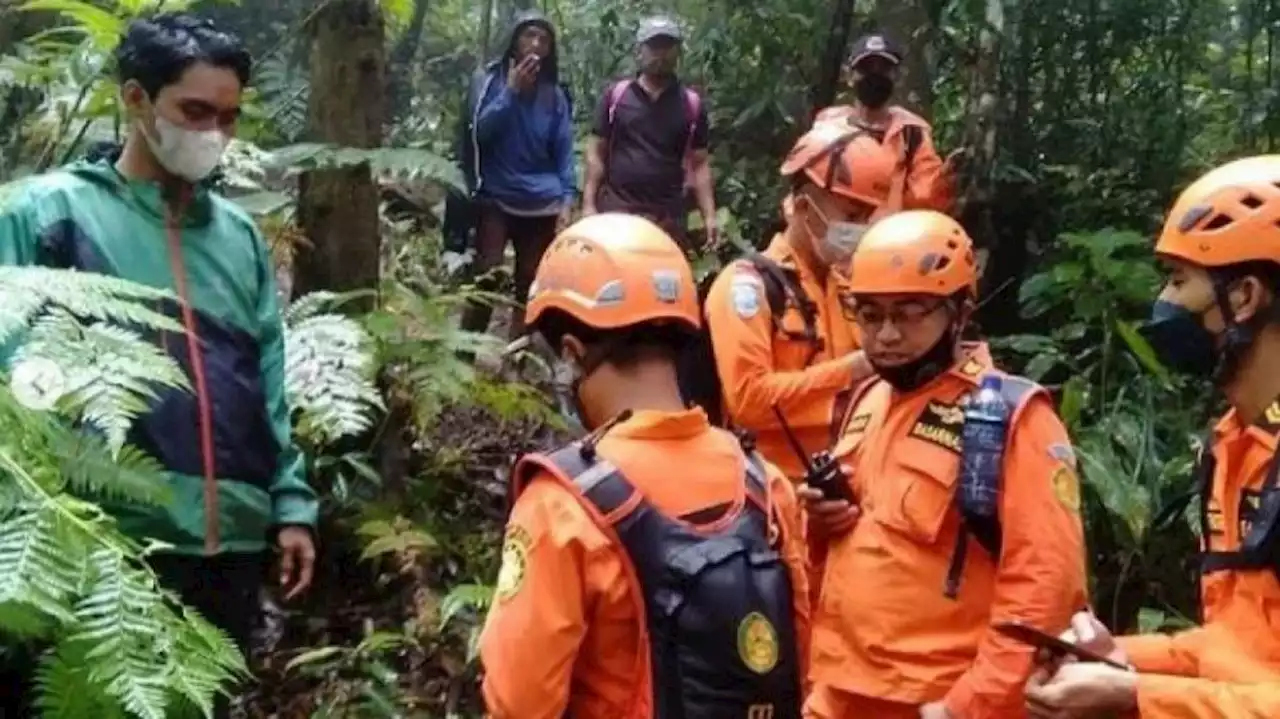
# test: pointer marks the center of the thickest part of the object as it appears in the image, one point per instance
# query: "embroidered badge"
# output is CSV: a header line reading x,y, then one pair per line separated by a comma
x,y
746,297
971,368
858,423
757,643
940,424
1066,487
515,562
1271,417
1063,453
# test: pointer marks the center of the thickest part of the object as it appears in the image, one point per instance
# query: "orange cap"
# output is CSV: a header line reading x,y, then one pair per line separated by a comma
x,y
845,161
1229,215
612,270
915,251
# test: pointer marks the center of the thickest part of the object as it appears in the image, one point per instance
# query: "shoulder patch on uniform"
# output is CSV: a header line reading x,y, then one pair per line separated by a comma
x,y
940,424
971,368
1270,420
1066,487
858,423
746,296
1063,453
757,643
515,562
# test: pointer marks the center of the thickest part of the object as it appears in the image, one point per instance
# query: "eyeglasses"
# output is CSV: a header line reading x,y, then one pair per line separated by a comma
x,y
874,317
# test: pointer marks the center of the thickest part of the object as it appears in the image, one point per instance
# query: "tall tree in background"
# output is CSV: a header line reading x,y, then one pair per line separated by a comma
x,y
338,208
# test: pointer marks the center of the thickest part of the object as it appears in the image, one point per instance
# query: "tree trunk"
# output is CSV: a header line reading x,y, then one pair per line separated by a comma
x,y
908,22
338,208
833,57
401,66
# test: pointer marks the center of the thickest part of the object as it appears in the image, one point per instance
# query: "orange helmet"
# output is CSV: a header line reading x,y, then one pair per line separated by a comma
x,y
1230,215
845,161
915,251
612,270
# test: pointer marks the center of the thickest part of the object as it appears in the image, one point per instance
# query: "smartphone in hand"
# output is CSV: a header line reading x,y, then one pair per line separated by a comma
x,y
1054,645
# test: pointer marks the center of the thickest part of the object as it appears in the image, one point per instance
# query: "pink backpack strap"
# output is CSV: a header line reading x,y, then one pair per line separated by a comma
x,y
615,96
692,109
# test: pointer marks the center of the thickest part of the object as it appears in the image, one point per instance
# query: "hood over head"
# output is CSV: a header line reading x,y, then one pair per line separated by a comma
x,y
550,71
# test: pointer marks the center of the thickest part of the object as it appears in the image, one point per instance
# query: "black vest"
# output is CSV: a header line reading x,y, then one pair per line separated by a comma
x,y
718,604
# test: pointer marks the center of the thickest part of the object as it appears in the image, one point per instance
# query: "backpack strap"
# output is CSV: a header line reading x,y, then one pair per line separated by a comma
x,y
692,110
986,530
781,285
846,402
913,136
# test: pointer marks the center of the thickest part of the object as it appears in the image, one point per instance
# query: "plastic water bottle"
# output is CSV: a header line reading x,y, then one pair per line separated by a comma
x,y
982,440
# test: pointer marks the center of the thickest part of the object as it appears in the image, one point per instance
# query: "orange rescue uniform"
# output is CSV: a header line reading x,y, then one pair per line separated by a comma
x,y
564,634
886,639
1230,667
927,183
760,365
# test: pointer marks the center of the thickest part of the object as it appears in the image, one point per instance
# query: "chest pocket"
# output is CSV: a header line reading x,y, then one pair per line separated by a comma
x,y
921,487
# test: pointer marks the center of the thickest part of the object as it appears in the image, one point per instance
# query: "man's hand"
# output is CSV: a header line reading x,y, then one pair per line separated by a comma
x,y
713,233
828,518
565,218
934,710
1089,633
588,208
1080,689
522,75
297,560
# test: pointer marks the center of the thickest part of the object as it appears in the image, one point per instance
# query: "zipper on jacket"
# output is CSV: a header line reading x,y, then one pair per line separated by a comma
x,y
173,233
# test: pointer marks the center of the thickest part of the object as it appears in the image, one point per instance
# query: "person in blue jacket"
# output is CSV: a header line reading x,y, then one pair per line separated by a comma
x,y
517,156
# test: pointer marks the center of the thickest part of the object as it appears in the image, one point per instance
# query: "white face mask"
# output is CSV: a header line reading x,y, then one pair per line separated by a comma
x,y
840,240
189,154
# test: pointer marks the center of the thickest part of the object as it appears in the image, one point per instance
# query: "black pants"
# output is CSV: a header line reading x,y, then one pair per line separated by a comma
x,y
224,589
531,237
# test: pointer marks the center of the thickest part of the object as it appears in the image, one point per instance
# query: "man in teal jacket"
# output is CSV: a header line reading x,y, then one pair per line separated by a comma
x,y
142,215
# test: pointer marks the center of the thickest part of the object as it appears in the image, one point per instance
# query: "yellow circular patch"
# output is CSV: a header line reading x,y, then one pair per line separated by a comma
x,y
515,561
757,643
1066,485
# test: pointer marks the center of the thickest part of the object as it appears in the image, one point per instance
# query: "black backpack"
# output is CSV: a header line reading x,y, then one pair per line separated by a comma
x,y
699,380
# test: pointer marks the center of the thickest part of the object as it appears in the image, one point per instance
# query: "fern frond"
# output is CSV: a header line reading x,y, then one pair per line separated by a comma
x,y
39,566
313,303
25,290
113,375
64,688
118,617
400,163
329,378
90,470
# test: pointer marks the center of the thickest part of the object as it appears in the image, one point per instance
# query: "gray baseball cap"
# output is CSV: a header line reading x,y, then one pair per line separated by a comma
x,y
658,26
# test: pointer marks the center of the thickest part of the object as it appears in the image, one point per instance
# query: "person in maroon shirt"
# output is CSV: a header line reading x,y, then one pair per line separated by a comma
x,y
649,147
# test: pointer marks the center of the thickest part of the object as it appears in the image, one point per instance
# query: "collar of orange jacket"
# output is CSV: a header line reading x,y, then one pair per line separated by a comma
x,y
655,424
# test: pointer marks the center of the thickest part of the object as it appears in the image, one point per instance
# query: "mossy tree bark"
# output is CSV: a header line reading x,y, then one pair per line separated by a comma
x,y
338,208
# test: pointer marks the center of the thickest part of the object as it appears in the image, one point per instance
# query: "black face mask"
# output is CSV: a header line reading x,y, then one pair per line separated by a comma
x,y
924,369
1180,340
873,91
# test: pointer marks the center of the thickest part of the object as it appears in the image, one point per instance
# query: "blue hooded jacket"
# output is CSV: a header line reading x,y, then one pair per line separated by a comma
x,y
525,142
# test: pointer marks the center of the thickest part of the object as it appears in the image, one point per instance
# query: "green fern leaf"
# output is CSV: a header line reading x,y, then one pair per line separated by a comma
x,y
399,163
64,690
35,569
329,378
90,470
25,290
118,616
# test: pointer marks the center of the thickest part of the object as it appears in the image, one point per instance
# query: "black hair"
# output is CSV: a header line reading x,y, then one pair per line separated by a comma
x,y
156,51
624,347
1266,271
